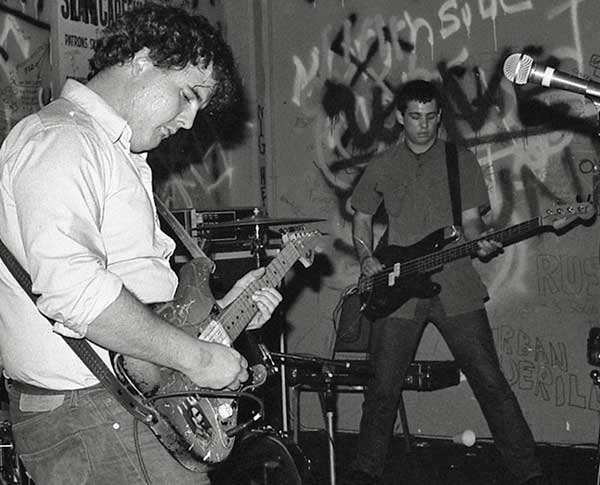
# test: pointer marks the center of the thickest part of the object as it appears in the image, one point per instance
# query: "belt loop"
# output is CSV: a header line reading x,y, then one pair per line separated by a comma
x,y
74,398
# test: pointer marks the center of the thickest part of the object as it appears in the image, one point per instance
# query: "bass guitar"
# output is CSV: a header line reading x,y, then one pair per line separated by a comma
x,y
407,269
196,424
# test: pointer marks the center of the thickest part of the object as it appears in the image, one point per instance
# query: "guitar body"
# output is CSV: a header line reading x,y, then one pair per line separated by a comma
x,y
379,298
198,423
191,422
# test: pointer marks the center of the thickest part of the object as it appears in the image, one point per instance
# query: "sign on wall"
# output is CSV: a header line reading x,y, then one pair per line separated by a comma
x,y
24,66
78,26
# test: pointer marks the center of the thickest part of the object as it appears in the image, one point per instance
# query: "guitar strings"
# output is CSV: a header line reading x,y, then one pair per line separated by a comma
x,y
438,258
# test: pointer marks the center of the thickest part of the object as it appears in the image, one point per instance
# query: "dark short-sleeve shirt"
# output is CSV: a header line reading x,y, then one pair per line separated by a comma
x,y
414,190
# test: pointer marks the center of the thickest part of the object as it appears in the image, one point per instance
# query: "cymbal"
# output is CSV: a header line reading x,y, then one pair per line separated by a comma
x,y
259,221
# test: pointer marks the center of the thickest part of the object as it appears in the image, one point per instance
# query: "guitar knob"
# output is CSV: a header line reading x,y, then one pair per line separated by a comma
x,y
225,411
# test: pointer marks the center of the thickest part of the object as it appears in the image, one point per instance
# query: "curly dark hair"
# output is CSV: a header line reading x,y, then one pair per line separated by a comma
x,y
417,90
175,39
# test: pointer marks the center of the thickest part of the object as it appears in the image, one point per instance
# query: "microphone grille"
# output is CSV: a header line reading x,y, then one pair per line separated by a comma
x,y
517,68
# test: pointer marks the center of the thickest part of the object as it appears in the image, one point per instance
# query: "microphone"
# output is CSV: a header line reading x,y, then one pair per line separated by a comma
x,y
520,69
467,438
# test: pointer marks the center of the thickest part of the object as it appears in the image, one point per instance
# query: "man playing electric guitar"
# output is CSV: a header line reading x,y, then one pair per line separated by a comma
x,y
77,212
411,179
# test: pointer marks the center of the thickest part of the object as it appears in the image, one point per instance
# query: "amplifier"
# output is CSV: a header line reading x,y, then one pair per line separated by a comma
x,y
424,375
192,218
217,240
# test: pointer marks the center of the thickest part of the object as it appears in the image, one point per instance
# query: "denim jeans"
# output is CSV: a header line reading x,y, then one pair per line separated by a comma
x,y
469,338
86,436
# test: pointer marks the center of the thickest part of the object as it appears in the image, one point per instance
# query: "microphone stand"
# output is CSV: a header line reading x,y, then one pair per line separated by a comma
x,y
328,403
326,368
595,375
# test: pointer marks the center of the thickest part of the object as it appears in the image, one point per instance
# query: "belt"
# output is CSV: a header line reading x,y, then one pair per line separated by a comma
x,y
25,388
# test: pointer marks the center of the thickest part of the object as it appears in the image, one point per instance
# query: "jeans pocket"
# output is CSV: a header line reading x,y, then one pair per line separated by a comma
x,y
66,462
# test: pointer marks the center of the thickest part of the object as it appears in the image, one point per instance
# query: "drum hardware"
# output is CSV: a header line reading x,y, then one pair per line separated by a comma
x,y
325,370
330,376
257,220
264,456
12,470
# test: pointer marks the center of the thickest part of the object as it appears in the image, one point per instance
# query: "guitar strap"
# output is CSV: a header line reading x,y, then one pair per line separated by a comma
x,y
454,182
82,348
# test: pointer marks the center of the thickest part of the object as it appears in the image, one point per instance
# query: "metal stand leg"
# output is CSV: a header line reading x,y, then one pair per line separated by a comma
x,y
283,383
296,395
404,421
330,431
328,404
595,375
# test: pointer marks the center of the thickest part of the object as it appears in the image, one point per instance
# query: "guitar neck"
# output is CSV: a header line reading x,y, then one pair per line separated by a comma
x,y
238,315
505,236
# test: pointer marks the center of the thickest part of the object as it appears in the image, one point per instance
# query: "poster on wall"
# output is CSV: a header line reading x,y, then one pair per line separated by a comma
x,y
24,67
77,28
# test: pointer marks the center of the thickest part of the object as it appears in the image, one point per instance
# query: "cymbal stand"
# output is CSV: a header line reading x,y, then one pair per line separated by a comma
x,y
257,246
326,397
328,404
258,252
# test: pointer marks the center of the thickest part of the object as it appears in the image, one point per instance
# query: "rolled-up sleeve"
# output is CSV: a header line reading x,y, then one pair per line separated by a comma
x,y
58,183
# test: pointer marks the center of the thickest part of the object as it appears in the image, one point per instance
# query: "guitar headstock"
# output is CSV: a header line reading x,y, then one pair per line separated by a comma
x,y
305,242
561,215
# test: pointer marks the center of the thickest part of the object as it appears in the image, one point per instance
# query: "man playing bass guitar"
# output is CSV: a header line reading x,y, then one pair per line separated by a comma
x,y
411,180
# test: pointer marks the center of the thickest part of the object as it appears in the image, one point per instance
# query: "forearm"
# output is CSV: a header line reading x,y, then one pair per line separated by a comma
x,y
362,235
473,227
129,327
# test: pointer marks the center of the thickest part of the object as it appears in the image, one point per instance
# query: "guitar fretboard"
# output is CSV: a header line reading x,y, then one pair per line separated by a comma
x,y
426,263
238,315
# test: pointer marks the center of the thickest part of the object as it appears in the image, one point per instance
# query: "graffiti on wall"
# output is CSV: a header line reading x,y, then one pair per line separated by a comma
x,y
345,90
542,367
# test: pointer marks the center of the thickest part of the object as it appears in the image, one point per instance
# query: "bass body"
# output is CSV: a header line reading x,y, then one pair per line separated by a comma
x,y
407,270
389,290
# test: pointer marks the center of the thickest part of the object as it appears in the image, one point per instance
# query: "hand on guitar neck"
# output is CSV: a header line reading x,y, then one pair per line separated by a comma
x,y
191,421
266,299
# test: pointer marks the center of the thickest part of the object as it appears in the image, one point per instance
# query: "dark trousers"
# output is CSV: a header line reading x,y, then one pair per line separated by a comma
x,y
86,437
469,337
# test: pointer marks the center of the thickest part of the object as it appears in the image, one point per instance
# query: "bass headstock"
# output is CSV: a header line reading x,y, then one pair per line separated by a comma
x,y
561,215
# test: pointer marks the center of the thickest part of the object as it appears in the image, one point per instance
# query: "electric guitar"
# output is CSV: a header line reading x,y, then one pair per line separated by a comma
x,y
196,424
408,269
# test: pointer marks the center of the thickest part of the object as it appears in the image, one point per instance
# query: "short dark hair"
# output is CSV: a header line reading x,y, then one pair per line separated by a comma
x,y
417,90
175,39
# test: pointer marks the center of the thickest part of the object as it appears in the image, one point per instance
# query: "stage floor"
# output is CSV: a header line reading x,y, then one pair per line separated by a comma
x,y
442,462
274,459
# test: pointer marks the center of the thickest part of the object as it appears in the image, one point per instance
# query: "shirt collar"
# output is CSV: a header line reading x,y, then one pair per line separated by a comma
x,y
431,150
115,126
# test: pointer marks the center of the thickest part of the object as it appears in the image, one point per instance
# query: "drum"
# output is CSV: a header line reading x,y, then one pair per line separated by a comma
x,y
12,470
264,457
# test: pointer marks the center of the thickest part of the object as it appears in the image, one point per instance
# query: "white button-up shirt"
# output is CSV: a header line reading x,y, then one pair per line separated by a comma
x,y
76,210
